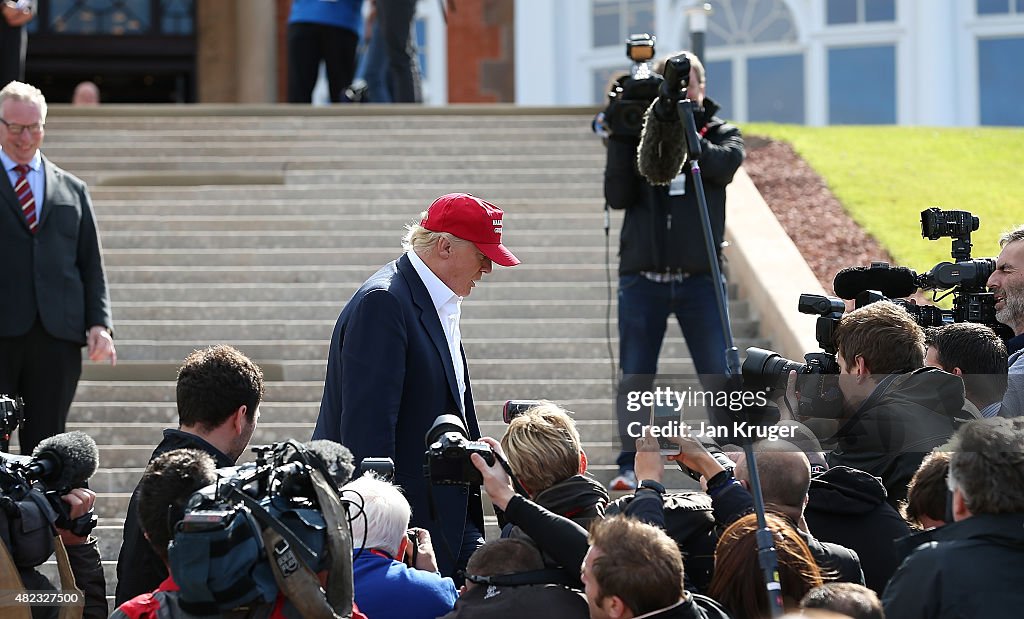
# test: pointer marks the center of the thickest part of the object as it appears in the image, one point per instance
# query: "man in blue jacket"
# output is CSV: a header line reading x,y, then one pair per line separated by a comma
x,y
396,363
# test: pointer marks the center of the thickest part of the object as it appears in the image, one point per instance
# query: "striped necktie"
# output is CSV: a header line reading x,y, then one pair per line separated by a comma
x,y
25,197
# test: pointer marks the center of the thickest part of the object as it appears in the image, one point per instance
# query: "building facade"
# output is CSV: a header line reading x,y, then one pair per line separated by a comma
x,y
816,62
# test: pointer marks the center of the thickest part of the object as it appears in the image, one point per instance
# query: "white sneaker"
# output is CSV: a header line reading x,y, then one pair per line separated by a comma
x,y
623,482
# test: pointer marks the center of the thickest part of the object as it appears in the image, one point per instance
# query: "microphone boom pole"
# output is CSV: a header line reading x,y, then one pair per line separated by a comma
x,y
766,555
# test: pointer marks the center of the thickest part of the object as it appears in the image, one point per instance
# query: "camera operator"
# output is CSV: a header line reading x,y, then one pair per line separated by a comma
x,y
663,265
1007,282
975,353
894,410
544,451
218,396
165,487
83,555
395,574
616,552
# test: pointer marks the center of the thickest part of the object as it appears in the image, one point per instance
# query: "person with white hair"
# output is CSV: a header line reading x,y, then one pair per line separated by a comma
x,y
394,570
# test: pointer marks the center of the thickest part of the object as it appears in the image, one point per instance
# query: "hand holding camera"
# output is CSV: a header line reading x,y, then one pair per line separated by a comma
x,y
419,551
496,481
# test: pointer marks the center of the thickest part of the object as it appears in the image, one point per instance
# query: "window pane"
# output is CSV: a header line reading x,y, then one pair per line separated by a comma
x,y
862,85
640,17
177,16
117,17
602,83
719,79
879,10
606,24
993,7
1001,81
841,12
775,87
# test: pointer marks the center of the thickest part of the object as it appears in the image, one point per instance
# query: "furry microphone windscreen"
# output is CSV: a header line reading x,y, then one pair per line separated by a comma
x,y
893,282
662,151
336,458
68,459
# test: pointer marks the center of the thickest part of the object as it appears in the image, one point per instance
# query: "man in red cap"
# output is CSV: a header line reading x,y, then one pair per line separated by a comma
x,y
396,363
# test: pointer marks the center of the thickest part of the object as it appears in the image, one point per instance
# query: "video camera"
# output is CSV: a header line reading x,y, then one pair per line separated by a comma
x,y
31,489
819,395
630,97
965,278
266,528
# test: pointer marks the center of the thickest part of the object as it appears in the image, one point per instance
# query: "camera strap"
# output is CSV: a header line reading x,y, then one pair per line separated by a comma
x,y
11,582
297,580
67,583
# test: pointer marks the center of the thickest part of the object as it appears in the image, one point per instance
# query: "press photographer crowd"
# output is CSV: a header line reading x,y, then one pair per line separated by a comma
x,y
882,476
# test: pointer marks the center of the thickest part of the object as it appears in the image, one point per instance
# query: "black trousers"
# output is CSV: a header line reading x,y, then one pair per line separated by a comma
x,y
44,371
13,44
308,44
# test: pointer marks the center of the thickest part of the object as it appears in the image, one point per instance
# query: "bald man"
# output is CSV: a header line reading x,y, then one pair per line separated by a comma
x,y
785,475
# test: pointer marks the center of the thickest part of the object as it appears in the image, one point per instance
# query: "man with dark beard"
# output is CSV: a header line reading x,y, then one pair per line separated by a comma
x,y
1007,282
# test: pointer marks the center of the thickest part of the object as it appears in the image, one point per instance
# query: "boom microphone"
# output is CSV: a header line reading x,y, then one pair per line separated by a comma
x,y
893,282
335,457
663,149
64,461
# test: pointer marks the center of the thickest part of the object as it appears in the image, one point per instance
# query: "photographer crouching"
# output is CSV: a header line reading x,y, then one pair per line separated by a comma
x,y
44,508
663,264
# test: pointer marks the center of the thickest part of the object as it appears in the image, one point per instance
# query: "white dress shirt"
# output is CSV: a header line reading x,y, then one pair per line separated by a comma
x,y
449,311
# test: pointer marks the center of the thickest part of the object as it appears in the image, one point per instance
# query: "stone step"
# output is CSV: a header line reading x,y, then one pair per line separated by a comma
x,y
64,122
369,257
281,157
290,222
415,194
351,276
305,370
339,204
231,292
231,330
494,348
98,413
329,310
325,239
309,391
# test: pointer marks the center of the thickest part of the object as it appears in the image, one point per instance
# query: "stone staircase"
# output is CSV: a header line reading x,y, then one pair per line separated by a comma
x,y
253,226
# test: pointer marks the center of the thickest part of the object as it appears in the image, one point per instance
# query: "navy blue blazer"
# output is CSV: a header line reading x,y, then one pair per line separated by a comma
x,y
389,375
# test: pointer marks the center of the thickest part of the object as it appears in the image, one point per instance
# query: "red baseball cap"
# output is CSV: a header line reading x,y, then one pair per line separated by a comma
x,y
471,219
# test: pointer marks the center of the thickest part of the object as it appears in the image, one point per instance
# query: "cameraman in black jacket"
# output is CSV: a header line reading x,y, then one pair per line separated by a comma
x,y
663,265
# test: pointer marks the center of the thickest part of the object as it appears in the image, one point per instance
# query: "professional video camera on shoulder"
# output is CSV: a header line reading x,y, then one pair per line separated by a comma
x,y
819,394
630,96
31,489
269,527
965,278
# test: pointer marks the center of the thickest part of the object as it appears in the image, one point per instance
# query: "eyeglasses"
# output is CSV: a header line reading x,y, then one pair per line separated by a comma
x,y
34,129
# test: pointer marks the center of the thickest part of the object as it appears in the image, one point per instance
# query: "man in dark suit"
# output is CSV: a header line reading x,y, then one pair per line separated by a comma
x,y
396,363
53,294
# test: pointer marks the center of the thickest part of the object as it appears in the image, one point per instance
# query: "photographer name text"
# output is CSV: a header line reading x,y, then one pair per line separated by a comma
x,y
702,430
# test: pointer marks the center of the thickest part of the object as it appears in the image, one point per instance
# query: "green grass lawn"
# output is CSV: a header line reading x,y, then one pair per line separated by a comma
x,y
885,177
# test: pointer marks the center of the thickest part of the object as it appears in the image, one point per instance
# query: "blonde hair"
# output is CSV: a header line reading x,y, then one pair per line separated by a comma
x,y
20,91
420,240
543,446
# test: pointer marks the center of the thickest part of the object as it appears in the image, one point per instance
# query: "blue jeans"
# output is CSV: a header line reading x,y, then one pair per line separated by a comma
x,y
374,67
644,308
